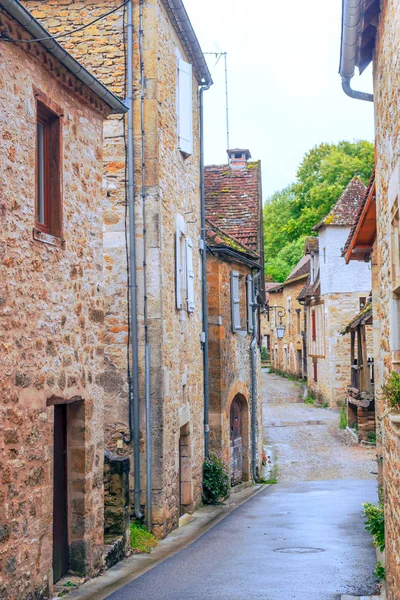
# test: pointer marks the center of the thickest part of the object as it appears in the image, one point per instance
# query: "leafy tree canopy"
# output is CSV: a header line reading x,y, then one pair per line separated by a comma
x,y
290,214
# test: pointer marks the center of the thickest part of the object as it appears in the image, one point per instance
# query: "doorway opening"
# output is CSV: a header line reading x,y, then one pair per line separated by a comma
x,y
185,471
239,450
60,494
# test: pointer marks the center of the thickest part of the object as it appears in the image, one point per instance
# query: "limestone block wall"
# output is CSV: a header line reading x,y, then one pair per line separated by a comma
x,y
51,334
289,356
171,189
333,369
230,371
386,90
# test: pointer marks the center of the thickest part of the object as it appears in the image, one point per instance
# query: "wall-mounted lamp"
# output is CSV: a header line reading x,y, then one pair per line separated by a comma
x,y
279,313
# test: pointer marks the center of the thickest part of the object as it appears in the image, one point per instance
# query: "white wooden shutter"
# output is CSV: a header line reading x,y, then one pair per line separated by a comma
x,y
185,108
235,301
189,275
249,283
179,266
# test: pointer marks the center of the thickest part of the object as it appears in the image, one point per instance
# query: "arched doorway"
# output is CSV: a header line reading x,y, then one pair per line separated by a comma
x,y
239,468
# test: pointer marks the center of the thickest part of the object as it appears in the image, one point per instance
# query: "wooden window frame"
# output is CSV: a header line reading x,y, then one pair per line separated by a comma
x,y
313,326
49,115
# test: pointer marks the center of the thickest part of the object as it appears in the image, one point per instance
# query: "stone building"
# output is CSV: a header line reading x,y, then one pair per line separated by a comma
x,y
168,69
333,294
234,287
52,311
289,353
376,39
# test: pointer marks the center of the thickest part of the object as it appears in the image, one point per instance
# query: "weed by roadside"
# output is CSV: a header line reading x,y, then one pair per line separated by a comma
x,y
343,417
380,571
267,481
309,400
141,539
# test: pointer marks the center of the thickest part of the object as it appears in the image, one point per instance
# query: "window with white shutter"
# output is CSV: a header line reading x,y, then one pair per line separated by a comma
x,y
249,285
185,106
235,301
180,253
189,275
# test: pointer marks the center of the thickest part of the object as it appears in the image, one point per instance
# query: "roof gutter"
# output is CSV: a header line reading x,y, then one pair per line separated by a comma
x,y
351,19
188,34
32,26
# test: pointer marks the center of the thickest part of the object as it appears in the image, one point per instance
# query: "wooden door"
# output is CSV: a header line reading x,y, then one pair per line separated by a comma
x,y
60,514
236,466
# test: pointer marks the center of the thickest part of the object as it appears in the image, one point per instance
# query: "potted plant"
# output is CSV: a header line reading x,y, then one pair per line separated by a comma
x,y
391,394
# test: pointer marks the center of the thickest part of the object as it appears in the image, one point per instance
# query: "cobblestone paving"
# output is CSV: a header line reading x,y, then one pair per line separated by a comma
x,y
307,442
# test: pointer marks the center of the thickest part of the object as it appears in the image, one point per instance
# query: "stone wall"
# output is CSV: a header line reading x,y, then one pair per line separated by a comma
x,y
333,368
229,360
171,188
51,334
386,89
288,352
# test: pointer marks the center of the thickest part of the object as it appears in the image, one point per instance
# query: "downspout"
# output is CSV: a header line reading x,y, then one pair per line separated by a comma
x,y
254,381
351,19
204,305
134,396
147,360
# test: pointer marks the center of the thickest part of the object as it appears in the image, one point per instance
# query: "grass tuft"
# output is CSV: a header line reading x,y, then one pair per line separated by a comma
x,y
141,539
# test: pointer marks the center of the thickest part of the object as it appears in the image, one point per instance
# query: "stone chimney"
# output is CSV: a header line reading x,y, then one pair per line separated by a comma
x,y
238,158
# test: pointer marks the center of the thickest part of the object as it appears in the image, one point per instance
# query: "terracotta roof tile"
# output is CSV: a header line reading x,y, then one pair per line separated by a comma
x,y
346,208
301,270
311,245
358,215
217,238
234,203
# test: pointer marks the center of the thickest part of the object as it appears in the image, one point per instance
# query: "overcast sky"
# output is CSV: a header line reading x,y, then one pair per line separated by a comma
x,y
285,94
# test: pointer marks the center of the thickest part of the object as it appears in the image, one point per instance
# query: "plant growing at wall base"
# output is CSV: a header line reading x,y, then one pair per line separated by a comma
x,y
264,354
216,483
141,539
342,417
391,393
380,571
375,523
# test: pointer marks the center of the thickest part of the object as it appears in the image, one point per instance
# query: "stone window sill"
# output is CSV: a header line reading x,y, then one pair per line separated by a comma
x,y
46,238
394,420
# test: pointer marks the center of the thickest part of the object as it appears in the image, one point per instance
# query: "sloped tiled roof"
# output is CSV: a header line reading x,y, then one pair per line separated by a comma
x,y
311,245
272,286
218,238
363,317
359,214
300,271
310,289
346,208
233,201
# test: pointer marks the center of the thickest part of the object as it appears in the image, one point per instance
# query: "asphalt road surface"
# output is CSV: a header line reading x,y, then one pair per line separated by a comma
x,y
304,541
300,539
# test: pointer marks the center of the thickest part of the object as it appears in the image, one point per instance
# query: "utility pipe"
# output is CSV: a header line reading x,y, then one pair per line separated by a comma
x,y
147,357
253,381
351,19
204,305
132,268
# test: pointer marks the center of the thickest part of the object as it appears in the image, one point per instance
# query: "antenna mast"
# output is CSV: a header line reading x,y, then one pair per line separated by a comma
x,y
218,56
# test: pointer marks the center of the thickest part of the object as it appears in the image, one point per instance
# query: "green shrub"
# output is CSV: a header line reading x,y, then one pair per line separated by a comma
x,y
372,437
309,400
264,354
380,571
216,483
391,390
141,539
375,523
343,417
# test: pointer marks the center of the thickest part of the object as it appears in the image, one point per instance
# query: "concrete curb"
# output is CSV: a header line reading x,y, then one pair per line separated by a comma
x,y
136,565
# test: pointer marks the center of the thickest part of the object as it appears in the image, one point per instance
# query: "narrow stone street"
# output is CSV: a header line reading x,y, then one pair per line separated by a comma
x,y
301,539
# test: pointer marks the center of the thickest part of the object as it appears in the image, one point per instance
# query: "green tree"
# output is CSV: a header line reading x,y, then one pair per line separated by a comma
x,y
290,214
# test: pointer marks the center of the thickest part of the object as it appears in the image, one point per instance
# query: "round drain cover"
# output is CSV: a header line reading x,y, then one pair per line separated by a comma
x,y
298,550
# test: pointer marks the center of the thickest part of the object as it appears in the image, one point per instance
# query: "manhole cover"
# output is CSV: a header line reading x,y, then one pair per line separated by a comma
x,y
298,550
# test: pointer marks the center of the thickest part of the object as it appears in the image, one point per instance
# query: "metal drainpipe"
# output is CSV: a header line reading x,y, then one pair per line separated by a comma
x,y
132,268
147,358
204,305
351,17
253,383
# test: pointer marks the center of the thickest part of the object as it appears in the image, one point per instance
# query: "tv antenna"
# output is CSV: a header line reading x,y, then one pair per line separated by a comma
x,y
218,56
